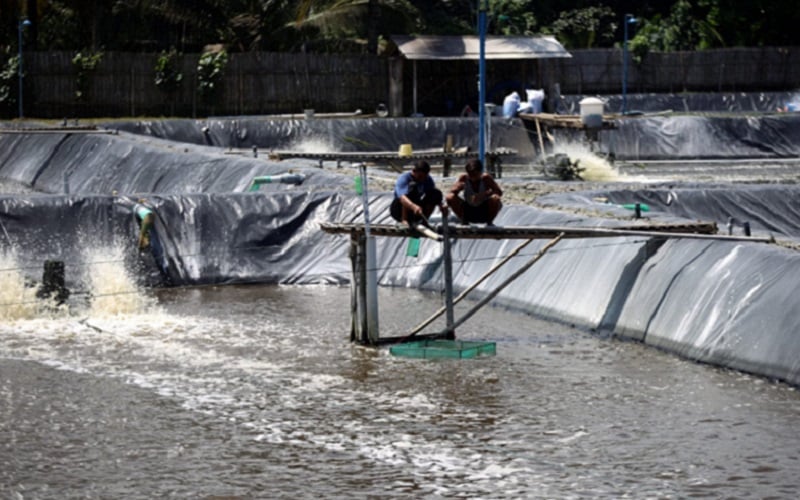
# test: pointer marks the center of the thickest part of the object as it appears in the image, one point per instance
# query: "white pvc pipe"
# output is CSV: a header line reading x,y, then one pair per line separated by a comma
x,y
373,331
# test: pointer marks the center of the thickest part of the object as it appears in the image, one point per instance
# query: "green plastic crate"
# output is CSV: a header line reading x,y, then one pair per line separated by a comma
x,y
455,349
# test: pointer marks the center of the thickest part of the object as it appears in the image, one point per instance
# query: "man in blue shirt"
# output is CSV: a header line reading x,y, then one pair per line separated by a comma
x,y
415,196
148,238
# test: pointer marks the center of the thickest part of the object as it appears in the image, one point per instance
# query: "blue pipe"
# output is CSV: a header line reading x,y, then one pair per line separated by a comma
x,y
286,178
482,82
22,24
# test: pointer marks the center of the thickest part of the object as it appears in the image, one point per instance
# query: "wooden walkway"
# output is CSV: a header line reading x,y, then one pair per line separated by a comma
x,y
364,297
566,121
697,230
394,160
89,129
546,121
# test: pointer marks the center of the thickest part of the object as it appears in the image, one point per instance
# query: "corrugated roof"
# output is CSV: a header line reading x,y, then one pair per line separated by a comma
x,y
429,47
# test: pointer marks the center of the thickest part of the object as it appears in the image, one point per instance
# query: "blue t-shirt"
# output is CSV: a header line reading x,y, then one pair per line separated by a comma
x,y
406,185
141,211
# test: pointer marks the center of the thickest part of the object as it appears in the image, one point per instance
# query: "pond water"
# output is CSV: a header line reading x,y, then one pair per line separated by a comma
x,y
256,392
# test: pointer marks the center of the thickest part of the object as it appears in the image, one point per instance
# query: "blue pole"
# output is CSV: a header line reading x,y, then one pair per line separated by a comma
x,y
629,19
22,24
482,81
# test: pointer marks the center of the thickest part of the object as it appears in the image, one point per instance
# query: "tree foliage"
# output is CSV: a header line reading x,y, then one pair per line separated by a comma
x,y
512,17
9,78
210,69
364,25
168,75
84,62
585,28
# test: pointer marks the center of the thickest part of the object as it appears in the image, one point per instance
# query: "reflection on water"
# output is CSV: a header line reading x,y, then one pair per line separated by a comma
x,y
255,392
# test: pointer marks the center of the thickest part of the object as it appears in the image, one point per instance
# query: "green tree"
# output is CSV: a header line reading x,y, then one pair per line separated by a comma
x,y
168,75
85,63
210,71
362,25
324,24
585,28
160,24
512,17
60,28
752,23
9,83
685,28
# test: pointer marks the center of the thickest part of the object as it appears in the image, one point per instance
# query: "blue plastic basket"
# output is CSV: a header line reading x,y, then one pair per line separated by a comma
x,y
454,349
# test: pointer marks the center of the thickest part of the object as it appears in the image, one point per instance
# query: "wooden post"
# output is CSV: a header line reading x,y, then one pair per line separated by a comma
x,y
448,162
473,286
492,166
541,139
354,289
371,289
53,283
358,289
362,290
370,265
508,281
132,95
396,87
414,93
448,280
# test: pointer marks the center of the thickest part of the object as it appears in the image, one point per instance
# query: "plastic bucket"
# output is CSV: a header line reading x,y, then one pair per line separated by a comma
x,y
592,112
405,151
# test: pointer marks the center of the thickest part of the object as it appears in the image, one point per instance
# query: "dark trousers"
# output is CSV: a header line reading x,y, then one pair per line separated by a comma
x,y
428,200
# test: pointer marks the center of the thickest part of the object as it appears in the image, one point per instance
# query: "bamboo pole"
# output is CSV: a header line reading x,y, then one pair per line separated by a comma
x,y
463,294
504,284
539,134
546,232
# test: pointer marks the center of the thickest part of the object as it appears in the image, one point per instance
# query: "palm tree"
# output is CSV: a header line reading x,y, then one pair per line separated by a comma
x,y
336,19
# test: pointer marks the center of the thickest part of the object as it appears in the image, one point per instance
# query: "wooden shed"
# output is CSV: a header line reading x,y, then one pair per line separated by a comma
x,y
461,48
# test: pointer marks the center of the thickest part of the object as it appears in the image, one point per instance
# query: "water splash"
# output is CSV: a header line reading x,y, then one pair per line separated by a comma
x,y
114,288
313,145
597,169
17,298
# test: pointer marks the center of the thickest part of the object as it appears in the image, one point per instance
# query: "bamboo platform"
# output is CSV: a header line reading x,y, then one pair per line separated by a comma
x,y
364,301
566,121
89,129
695,230
546,121
392,158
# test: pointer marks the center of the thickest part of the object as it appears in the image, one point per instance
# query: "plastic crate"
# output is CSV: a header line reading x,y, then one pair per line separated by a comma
x,y
454,349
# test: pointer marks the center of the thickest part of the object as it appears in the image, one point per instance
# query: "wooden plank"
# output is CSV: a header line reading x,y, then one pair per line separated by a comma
x,y
706,231
516,274
56,130
427,232
463,294
565,121
429,154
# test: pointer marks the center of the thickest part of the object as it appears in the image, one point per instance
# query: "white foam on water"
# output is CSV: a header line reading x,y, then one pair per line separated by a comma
x,y
198,360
